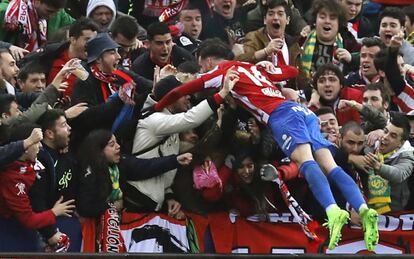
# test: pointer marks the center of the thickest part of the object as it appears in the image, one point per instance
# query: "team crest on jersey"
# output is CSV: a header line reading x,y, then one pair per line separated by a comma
x,y
271,92
23,170
185,41
20,187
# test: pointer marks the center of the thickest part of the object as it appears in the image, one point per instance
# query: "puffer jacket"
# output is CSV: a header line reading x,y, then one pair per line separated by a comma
x,y
397,169
164,128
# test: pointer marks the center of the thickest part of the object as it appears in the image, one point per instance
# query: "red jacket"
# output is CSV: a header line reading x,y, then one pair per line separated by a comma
x,y
16,179
347,115
56,67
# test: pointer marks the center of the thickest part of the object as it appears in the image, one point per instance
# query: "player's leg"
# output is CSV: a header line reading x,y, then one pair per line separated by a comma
x,y
288,124
352,194
319,186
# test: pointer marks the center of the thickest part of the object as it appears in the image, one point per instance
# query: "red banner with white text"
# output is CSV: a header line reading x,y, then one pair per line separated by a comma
x,y
281,235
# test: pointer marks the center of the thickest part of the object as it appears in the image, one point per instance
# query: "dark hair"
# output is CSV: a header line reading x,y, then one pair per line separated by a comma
x,y
125,25
352,126
190,6
49,118
399,120
3,50
332,6
393,12
324,110
5,102
91,150
21,131
191,67
92,159
372,41
157,28
214,48
83,24
276,3
323,69
30,68
58,4
409,12
385,95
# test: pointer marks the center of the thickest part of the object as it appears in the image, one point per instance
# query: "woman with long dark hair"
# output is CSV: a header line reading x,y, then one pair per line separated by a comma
x,y
103,170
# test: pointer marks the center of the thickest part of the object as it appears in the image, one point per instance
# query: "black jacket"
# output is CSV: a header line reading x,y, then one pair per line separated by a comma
x,y
90,91
144,66
93,201
55,180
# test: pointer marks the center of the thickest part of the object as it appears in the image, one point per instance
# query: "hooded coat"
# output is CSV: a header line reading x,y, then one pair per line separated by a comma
x,y
93,4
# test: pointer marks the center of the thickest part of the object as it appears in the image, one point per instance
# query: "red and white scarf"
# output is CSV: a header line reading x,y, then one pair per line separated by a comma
x,y
117,81
21,17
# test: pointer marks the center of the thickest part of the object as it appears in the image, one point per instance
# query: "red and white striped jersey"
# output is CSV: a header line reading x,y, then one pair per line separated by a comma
x,y
255,89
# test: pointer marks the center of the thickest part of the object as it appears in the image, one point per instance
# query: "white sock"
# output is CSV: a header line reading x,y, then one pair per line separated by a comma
x,y
330,207
363,207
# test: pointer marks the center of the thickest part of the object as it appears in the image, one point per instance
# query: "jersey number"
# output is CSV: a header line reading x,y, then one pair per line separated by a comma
x,y
254,75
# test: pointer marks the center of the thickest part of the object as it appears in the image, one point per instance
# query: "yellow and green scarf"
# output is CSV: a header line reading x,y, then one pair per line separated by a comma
x,y
116,193
309,49
379,190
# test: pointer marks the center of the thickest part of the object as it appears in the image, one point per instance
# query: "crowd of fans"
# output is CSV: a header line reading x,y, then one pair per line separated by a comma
x,y
104,109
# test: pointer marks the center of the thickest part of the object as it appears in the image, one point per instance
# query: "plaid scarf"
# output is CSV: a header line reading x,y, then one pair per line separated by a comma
x,y
116,193
21,17
379,191
309,49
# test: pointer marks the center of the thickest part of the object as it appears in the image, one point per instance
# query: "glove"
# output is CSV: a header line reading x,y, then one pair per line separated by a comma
x,y
269,173
61,246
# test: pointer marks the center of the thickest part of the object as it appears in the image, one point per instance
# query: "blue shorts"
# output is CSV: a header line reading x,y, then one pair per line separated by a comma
x,y
293,124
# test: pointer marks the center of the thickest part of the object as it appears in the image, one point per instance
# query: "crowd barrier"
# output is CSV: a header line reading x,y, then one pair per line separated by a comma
x,y
157,235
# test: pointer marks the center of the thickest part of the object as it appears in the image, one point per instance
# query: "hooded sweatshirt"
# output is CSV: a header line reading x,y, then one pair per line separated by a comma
x,y
93,4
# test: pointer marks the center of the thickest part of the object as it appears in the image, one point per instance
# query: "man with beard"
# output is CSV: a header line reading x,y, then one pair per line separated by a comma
x,y
367,72
271,41
56,178
161,52
104,79
393,161
8,80
328,81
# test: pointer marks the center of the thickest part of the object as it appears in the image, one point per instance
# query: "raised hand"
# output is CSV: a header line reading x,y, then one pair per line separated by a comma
x,y
63,208
35,137
17,52
68,68
76,110
269,173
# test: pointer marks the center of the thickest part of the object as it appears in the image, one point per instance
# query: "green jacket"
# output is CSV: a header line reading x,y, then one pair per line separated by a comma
x,y
56,22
